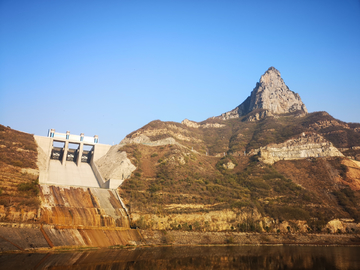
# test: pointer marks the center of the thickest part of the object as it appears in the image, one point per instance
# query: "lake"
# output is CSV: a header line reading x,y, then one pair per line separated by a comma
x,y
208,257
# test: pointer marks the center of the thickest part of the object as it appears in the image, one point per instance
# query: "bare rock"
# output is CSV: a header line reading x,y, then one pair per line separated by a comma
x,y
305,146
193,124
270,94
115,164
182,160
212,125
189,123
229,165
141,138
342,226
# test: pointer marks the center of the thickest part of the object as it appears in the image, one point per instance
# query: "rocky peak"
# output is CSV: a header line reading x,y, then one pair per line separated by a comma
x,y
272,95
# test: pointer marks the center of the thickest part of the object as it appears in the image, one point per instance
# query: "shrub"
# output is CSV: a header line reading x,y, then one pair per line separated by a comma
x,y
140,223
346,198
154,188
343,170
229,240
31,188
31,202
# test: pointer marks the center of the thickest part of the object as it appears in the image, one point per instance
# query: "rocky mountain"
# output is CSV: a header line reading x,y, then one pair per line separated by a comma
x,y
264,163
271,96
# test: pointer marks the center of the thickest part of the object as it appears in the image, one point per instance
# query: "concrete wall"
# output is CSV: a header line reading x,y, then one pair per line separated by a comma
x,y
100,150
101,181
44,152
71,174
67,172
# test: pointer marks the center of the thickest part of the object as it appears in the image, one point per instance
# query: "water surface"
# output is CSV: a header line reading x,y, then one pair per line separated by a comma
x,y
224,257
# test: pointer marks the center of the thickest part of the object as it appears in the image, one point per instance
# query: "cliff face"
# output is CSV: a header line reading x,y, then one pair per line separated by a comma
x,y
305,146
270,94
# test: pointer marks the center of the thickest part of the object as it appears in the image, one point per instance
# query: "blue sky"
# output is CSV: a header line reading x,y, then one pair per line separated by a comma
x,y
110,67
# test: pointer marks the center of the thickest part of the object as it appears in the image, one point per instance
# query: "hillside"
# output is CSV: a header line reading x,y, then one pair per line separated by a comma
x,y
264,163
19,188
236,136
183,185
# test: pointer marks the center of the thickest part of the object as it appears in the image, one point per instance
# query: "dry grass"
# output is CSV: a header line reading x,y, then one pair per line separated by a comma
x,y
202,181
239,135
303,189
17,148
18,190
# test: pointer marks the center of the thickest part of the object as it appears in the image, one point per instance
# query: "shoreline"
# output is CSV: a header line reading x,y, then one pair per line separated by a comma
x,y
82,249
156,239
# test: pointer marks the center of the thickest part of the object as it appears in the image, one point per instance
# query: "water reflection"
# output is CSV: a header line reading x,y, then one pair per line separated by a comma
x,y
192,258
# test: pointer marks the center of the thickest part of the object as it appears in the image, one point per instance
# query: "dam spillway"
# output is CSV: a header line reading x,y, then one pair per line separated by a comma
x,y
71,174
72,190
75,206
64,161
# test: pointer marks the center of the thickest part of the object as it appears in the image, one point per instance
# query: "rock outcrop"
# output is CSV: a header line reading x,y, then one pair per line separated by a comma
x,y
193,124
270,94
143,139
115,164
190,123
342,226
229,165
305,146
146,136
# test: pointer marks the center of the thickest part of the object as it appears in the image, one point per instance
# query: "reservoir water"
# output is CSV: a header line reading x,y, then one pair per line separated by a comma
x,y
212,257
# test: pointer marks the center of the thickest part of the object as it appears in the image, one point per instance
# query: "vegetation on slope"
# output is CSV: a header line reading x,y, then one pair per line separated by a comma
x,y
18,175
169,175
17,148
307,189
237,136
322,177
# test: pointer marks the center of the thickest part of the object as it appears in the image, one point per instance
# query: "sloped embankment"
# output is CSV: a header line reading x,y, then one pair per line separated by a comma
x,y
29,236
72,216
82,206
18,176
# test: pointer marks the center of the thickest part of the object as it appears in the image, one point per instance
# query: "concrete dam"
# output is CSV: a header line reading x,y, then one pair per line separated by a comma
x,y
78,207
69,160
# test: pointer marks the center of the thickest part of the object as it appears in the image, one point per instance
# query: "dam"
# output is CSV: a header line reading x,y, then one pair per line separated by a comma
x,y
77,206
69,160
68,172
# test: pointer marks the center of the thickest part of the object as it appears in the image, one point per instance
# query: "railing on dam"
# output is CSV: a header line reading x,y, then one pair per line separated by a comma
x,y
72,137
